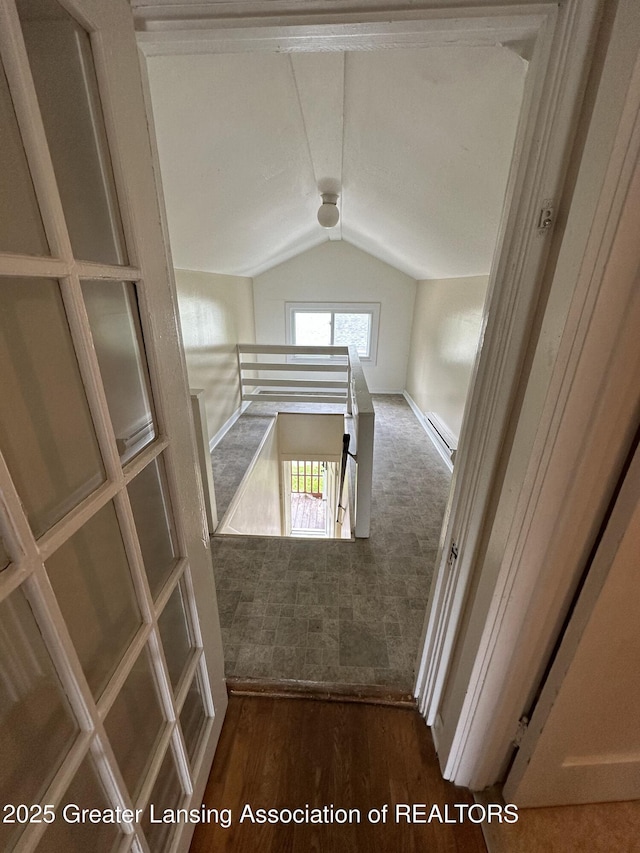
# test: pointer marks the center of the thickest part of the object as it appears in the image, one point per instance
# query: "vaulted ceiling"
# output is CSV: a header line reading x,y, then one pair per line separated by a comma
x,y
417,143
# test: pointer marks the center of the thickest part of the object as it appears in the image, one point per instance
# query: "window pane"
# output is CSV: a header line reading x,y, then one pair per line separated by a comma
x,y
21,229
92,582
192,719
61,62
312,328
153,517
115,326
354,329
46,432
85,792
174,632
135,723
36,724
167,793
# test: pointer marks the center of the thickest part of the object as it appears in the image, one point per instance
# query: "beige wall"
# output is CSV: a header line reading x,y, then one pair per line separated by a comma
x,y
338,272
216,313
447,322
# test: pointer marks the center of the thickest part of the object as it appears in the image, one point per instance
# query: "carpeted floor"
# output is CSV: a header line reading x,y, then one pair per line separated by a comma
x,y
323,610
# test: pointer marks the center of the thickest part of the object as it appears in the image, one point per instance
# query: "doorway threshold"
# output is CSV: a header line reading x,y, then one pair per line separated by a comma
x,y
322,691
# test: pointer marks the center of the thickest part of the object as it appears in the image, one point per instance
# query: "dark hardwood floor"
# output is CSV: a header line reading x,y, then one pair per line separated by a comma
x,y
279,753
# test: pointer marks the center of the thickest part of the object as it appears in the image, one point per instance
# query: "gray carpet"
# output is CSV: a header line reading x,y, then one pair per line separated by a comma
x,y
346,612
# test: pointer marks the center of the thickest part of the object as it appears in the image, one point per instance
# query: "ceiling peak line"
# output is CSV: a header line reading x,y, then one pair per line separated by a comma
x,y
425,146
343,122
319,79
302,116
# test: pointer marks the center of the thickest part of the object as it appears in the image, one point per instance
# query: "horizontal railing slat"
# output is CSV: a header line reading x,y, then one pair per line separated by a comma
x,y
297,383
302,366
296,398
277,349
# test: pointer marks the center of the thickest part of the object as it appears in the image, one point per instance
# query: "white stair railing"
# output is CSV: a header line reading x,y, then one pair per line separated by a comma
x,y
267,380
317,375
364,423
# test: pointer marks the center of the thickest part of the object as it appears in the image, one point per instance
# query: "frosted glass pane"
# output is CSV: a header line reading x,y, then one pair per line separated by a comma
x,y
175,634
84,792
61,62
312,328
134,724
192,719
36,724
353,329
46,432
167,793
115,325
92,582
152,514
21,229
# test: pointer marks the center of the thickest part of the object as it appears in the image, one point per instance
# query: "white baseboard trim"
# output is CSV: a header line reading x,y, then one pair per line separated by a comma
x,y
226,426
424,423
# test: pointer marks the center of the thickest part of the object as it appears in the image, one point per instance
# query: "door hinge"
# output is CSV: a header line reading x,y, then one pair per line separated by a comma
x,y
523,725
546,217
453,554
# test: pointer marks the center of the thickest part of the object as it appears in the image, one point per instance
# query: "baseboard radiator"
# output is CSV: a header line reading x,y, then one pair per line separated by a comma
x,y
442,435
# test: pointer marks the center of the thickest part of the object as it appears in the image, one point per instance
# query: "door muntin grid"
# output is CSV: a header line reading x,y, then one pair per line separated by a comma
x,y
176,634
168,793
37,726
21,227
86,791
46,430
28,569
91,579
61,61
135,723
193,718
112,309
154,518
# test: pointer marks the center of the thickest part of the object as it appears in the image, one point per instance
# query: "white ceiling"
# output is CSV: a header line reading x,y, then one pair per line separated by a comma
x,y
417,142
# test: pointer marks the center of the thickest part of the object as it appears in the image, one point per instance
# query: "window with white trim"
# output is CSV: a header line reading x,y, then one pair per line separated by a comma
x,y
335,324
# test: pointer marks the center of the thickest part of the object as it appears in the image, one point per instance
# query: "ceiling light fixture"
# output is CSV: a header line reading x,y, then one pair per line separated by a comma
x,y
328,213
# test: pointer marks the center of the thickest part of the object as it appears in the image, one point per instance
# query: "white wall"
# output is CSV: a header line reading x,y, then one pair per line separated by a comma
x,y
310,436
338,272
256,509
447,322
216,313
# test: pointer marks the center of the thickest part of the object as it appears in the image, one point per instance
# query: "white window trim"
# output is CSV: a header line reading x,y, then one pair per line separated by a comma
x,y
372,308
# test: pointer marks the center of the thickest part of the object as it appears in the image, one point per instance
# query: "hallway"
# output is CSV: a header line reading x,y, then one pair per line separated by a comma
x,y
286,753
330,611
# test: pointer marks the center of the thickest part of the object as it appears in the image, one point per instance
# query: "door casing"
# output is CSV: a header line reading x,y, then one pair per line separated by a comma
x,y
560,38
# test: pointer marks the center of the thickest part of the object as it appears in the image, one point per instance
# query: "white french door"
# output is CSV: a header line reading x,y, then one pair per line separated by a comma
x,y
111,673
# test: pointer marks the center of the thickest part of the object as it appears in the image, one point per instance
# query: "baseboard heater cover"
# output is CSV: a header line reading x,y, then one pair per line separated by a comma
x,y
443,434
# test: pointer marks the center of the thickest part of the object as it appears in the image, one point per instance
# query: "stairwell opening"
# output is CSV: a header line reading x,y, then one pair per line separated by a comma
x,y
297,484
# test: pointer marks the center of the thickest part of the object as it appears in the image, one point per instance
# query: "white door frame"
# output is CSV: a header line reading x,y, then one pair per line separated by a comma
x,y
585,430
559,37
